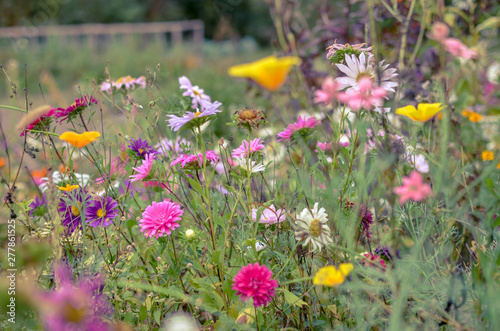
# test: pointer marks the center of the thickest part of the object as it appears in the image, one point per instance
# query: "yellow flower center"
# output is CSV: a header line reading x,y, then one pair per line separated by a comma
x,y
198,94
75,211
141,150
198,113
315,227
101,213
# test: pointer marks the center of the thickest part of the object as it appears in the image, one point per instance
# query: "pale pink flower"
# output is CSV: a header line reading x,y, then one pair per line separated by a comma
x,y
439,31
326,146
254,281
196,160
247,148
196,93
419,162
303,124
413,188
269,215
328,92
160,218
456,48
365,96
144,169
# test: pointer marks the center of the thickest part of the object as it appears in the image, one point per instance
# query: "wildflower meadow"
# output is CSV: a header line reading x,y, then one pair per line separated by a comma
x,y
344,177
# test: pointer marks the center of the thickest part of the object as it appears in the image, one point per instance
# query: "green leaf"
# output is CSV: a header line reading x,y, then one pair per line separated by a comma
x,y
157,316
143,313
292,299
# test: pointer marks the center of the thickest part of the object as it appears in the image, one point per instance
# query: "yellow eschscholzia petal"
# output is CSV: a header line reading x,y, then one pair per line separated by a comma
x,y
68,188
269,72
487,156
331,276
425,111
80,140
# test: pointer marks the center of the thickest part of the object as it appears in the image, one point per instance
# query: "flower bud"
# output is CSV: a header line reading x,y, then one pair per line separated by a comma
x,y
190,234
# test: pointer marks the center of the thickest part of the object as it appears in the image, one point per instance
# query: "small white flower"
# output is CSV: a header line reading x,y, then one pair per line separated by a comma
x,y
311,227
58,177
249,165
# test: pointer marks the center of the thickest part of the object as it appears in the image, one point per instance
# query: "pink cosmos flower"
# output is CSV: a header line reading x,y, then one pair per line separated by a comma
x,y
254,281
207,109
198,95
456,48
302,125
247,148
195,160
160,218
366,96
269,215
324,146
328,92
144,169
413,188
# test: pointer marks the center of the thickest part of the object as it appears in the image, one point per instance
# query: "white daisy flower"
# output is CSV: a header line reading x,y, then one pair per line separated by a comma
x,y
357,68
249,165
311,227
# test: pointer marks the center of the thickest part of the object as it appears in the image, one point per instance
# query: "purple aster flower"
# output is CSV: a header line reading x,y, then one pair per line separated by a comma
x,y
197,118
101,212
366,221
197,94
384,252
73,305
38,206
141,147
71,207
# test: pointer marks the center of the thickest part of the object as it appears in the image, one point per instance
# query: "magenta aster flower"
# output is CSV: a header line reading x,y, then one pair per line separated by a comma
x,y
254,281
194,118
141,147
303,126
196,93
270,215
41,123
101,212
75,108
365,96
73,305
328,92
247,148
413,188
144,169
160,218
195,161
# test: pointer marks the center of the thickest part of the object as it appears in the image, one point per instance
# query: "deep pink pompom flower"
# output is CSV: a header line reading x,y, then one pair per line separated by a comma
x,y
160,218
413,188
254,281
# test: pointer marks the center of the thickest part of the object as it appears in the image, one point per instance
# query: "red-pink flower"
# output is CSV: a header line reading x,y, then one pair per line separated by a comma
x,y
413,188
328,92
160,218
254,281
247,148
456,48
366,96
144,169
303,125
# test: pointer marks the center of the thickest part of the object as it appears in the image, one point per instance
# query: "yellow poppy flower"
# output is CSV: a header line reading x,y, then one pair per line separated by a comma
x,y
424,112
269,72
68,188
487,156
331,276
80,140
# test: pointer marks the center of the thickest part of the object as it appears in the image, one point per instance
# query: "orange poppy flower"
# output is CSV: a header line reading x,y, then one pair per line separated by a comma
x,y
80,140
2,162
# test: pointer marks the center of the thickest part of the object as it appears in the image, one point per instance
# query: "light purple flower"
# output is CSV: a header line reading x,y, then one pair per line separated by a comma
x,y
207,109
196,93
270,215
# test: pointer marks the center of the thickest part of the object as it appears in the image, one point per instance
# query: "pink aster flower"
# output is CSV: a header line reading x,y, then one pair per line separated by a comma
x,y
144,169
247,148
207,109
304,127
413,188
198,95
328,92
196,160
160,218
365,96
254,281
270,215
456,48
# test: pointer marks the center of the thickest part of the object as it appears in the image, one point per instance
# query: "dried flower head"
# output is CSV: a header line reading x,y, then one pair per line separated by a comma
x,y
248,118
337,52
